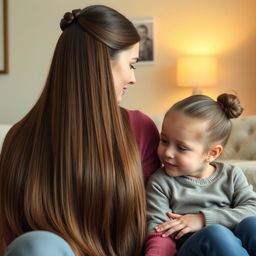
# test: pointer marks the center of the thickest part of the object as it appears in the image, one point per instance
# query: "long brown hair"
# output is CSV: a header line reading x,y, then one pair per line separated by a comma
x,y
71,165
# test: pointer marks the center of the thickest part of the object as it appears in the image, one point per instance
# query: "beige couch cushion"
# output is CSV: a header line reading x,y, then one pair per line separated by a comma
x,y
242,141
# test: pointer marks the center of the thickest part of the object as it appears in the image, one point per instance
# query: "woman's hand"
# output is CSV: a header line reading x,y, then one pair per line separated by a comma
x,y
181,224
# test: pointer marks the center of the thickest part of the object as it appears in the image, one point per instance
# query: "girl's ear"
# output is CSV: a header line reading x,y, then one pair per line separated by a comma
x,y
214,153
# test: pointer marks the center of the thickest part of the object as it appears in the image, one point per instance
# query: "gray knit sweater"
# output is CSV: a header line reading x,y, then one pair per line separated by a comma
x,y
224,198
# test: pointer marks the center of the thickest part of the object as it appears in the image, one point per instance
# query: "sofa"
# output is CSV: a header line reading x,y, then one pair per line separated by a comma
x,y
241,146
240,149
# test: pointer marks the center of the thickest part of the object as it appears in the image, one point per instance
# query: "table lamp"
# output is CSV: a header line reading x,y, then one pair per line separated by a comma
x,y
197,72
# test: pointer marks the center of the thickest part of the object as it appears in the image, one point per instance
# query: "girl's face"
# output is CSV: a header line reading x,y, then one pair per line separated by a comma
x,y
182,148
123,70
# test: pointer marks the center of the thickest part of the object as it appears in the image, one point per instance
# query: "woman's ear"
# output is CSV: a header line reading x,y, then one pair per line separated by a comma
x,y
214,153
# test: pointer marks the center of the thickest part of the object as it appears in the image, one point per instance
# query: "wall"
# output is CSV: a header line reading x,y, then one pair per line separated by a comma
x,y
224,28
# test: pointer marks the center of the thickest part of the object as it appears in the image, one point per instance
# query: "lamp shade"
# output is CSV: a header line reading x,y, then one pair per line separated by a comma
x,y
197,71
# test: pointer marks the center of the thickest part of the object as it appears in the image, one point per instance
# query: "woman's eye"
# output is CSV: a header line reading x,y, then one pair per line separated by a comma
x,y
132,66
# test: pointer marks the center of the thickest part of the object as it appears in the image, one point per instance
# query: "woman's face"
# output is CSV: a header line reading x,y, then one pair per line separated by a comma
x,y
122,66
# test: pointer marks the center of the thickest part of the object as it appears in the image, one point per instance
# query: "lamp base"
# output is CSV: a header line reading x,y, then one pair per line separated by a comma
x,y
197,90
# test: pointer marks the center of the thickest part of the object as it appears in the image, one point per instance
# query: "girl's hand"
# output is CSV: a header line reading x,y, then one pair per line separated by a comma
x,y
181,224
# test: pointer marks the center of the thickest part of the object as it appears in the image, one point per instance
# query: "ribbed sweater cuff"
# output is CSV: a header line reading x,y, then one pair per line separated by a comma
x,y
209,217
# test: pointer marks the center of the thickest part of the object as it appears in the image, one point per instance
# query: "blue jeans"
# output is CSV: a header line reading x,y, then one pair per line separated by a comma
x,y
217,240
39,243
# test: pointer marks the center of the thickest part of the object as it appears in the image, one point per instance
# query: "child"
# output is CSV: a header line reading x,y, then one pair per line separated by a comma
x,y
207,207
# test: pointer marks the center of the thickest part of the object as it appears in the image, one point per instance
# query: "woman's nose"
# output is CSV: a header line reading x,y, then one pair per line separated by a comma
x,y
133,78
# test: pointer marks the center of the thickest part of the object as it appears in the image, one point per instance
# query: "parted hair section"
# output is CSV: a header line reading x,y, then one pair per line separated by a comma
x,y
217,113
105,24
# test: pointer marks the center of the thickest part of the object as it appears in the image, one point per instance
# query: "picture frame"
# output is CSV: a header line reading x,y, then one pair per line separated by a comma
x,y
3,37
145,28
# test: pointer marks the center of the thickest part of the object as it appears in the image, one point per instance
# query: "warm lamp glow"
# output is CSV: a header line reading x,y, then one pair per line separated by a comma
x,y
197,71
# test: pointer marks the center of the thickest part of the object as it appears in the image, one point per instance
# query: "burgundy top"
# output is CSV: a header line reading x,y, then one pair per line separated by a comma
x,y
147,137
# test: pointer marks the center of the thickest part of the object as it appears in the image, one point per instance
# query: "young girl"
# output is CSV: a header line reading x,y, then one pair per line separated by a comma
x,y
211,205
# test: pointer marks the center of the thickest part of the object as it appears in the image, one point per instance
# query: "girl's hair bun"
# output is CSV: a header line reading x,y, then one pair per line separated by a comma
x,y
230,104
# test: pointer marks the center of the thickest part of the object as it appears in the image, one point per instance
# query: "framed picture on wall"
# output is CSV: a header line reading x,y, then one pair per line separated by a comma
x,y
146,32
3,37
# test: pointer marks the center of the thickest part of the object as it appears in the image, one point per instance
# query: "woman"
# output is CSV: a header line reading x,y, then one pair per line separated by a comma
x,y
71,167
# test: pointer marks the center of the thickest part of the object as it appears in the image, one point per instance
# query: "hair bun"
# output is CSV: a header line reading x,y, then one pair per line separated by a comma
x,y
69,18
230,104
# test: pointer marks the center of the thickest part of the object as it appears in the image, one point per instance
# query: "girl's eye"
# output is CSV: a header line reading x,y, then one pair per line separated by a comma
x,y
132,66
181,148
164,141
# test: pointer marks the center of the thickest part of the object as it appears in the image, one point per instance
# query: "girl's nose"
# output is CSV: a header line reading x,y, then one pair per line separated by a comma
x,y
169,153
